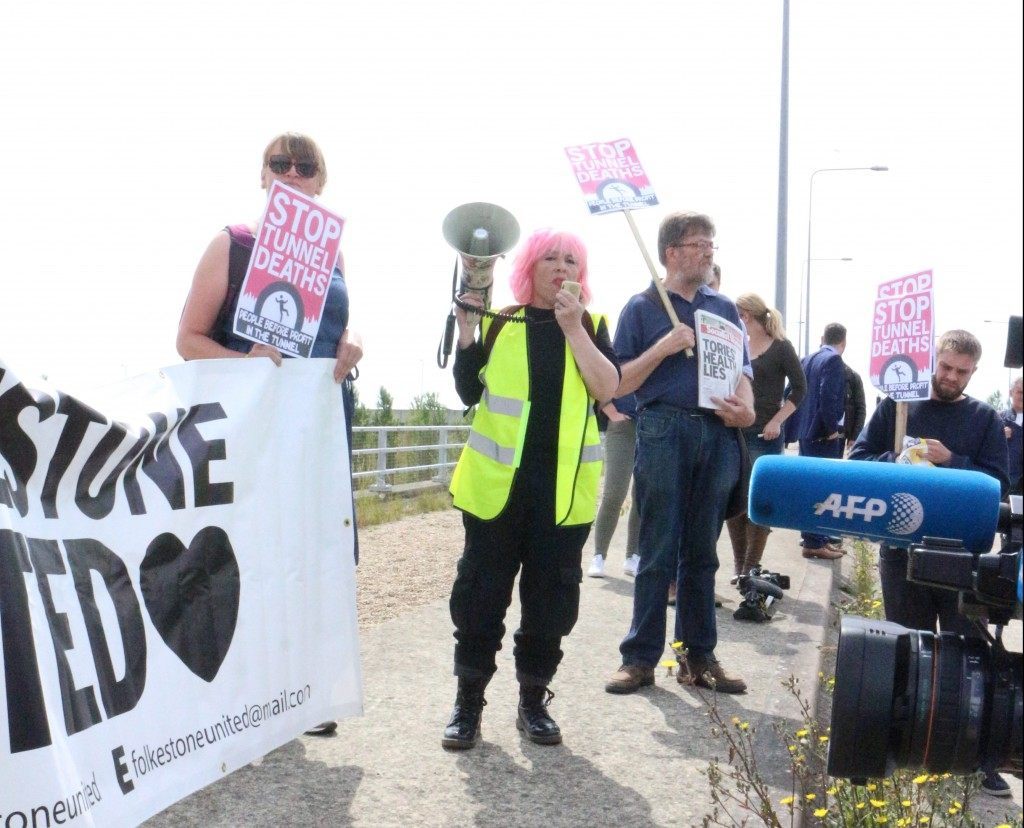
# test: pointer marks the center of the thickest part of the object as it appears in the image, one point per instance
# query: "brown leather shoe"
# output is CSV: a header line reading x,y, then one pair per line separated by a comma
x,y
629,678
709,673
824,553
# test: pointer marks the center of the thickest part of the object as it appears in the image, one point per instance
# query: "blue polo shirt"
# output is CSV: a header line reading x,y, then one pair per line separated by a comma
x,y
643,322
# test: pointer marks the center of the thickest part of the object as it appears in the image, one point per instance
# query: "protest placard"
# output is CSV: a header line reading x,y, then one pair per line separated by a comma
x,y
285,287
903,338
720,352
172,604
610,176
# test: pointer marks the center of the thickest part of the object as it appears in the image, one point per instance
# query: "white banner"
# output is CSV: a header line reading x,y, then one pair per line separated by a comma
x,y
177,592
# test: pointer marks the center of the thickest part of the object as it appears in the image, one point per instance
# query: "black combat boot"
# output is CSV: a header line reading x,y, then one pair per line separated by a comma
x,y
463,731
533,718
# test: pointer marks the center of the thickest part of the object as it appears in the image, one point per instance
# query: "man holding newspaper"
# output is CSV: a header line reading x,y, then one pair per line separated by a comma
x,y
688,459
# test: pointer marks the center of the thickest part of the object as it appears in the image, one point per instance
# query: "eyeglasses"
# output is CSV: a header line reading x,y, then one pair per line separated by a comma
x,y
280,164
703,245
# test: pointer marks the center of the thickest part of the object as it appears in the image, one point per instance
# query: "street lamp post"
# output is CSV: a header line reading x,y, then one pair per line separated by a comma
x,y
810,202
803,322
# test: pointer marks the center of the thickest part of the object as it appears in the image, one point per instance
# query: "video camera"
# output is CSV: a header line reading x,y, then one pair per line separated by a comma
x,y
912,698
761,591
942,702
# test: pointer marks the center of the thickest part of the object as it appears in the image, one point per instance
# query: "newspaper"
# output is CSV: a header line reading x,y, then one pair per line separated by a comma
x,y
720,352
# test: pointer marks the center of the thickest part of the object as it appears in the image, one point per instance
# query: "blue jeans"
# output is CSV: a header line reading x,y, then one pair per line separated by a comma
x,y
687,463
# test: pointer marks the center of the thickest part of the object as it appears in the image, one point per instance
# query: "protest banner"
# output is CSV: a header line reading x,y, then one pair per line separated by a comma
x,y
720,352
903,338
177,590
285,287
612,180
611,176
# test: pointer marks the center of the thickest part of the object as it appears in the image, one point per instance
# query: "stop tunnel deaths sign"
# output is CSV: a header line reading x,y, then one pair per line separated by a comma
x,y
282,298
611,177
903,338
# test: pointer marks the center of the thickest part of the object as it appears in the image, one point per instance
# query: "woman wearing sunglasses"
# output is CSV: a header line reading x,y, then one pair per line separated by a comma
x,y
205,329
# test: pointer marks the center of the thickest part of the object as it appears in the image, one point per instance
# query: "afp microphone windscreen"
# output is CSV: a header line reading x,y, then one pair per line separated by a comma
x,y
883,501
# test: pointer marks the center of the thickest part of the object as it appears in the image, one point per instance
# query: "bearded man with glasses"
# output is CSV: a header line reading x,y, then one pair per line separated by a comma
x,y
688,461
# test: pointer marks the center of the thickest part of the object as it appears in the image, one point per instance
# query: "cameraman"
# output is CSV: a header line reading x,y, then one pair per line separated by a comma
x,y
961,433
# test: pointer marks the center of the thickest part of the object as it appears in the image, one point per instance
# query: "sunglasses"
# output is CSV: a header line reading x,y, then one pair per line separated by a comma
x,y
280,164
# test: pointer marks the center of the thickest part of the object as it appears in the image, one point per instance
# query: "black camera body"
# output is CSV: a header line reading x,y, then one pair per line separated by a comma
x,y
942,702
761,590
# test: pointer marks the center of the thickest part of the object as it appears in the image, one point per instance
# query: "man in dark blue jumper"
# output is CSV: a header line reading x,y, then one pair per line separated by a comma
x,y
961,433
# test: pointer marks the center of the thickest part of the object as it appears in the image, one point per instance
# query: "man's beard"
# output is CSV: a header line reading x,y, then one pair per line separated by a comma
x,y
702,276
944,394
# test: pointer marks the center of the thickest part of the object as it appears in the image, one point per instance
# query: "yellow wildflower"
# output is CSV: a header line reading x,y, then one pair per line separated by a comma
x,y
832,791
820,812
920,780
811,797
881,818
801,733
735,719
786,800
906,803
877,803
823,739
744,725
925,820
871,786
859,805
792,748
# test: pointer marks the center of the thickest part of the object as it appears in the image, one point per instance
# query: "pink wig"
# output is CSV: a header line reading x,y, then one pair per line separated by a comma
x,y
536,248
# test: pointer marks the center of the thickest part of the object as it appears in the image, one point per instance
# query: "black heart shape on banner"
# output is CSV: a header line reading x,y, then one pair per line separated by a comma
x,y
191,596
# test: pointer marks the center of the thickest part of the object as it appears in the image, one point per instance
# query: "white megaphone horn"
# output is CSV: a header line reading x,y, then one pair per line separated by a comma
x,y
480,233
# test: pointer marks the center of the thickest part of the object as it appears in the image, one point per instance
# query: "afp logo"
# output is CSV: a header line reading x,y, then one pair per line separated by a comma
x,y
907,512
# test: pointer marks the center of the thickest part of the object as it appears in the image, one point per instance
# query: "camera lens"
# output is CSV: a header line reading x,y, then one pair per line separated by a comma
x,y
912,699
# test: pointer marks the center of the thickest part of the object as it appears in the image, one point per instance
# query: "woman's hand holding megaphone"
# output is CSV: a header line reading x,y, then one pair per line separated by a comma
x,y
468,320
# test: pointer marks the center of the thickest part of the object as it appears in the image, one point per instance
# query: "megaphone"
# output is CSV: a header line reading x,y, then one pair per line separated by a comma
x,y
480,233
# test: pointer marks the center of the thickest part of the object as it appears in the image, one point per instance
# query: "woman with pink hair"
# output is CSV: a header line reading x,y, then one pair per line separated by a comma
x,y
527,480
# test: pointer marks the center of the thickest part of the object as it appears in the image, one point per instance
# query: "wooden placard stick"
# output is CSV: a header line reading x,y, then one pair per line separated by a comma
x,y
901,426
671,311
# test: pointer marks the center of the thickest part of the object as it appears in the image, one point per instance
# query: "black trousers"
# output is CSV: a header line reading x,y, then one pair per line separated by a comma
x,y
523,540
916,606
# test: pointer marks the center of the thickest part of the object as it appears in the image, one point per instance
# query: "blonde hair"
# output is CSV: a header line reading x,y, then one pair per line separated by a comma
x,y
769,318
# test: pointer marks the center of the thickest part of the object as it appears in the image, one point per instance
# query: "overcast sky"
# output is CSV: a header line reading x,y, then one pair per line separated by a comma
x,y
134,133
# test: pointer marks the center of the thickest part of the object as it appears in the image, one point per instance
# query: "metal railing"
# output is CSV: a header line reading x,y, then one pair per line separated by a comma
x,y
400,444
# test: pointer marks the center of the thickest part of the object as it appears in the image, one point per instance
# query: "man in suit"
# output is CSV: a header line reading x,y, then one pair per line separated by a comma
x,y
818,422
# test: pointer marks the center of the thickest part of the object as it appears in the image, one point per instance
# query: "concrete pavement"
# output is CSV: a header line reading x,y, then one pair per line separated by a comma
x,y
626,760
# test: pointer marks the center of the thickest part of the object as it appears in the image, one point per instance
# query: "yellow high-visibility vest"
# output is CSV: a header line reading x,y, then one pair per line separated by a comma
x,y
483,478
